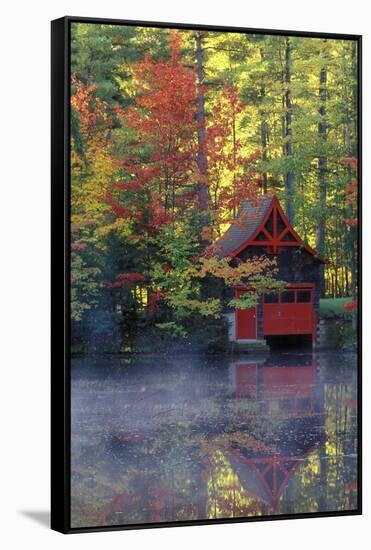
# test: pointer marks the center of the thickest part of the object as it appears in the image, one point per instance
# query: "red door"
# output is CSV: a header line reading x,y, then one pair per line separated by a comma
x,y
245,322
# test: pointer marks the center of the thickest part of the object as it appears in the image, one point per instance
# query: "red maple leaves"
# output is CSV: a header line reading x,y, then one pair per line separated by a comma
x,y
351,306
129,280
163,119
154,298
225,154
159,176
92,112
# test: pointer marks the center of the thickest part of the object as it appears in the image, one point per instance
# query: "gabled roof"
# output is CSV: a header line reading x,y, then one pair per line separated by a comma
x,y
249,218
260,223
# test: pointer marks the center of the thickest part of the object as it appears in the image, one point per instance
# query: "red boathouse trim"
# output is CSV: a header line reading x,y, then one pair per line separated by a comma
x,y
275,240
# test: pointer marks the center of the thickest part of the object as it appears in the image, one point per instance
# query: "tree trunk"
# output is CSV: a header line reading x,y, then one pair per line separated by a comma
x,y
263,131
234,161
288,146
322,169
202,187
264,143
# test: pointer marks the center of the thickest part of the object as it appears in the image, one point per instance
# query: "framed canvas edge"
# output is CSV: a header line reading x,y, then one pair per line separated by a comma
x,y
60,356
60,274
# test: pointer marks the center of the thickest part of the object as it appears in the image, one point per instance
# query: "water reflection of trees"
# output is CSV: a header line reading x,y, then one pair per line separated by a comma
x,y
254,438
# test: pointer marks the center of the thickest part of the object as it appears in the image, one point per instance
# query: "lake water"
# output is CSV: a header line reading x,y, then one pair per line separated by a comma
x,y
187,438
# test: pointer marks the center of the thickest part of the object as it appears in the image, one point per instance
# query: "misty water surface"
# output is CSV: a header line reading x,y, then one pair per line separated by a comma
x,y
186,438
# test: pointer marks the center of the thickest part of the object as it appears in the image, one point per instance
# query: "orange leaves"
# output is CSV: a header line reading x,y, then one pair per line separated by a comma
x,y
92,113
221,268
92,162
351,191
351,161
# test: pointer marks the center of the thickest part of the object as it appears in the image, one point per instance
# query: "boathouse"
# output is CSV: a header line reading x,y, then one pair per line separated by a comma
x,y
262,228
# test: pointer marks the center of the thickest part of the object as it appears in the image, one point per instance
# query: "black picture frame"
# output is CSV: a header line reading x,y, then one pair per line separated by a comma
x,y
60,272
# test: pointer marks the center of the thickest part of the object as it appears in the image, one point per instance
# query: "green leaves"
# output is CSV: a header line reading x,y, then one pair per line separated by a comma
x,y
84,286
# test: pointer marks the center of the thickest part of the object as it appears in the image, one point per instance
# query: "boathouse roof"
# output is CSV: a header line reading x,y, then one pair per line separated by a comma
x,y
260,222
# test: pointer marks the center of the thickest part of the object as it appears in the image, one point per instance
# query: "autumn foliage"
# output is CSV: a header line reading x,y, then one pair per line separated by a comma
x,y
139,184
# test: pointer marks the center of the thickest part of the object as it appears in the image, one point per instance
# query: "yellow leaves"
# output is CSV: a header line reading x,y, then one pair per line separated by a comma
x,y
183,283
226,495
103,166
224,441
207,308
126,84
89,188
181,300
121,226
221,268
172,329
92,164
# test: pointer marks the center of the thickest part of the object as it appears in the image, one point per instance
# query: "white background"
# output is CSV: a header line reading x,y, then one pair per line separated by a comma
x,y
24,304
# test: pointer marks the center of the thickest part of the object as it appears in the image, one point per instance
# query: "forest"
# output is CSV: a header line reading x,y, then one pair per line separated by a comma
x,y
171,130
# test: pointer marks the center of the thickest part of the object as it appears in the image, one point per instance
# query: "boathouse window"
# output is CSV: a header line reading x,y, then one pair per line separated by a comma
x,y
271,298
303,296
288,297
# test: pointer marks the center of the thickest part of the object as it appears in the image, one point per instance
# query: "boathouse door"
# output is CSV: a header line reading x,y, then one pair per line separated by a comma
x,y
289,312
246,322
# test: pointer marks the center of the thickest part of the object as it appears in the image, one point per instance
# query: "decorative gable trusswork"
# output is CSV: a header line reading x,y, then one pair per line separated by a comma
x,y
261,223
267,477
